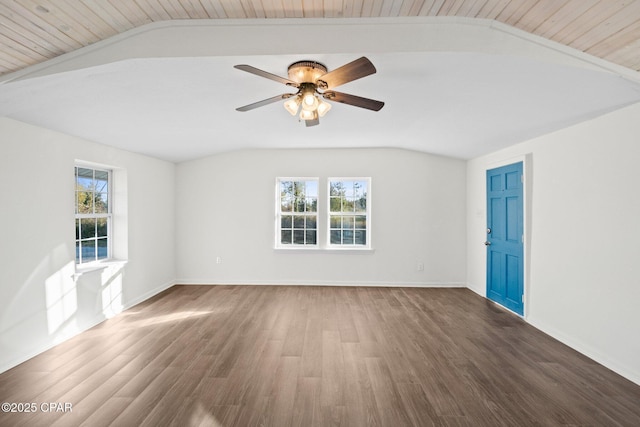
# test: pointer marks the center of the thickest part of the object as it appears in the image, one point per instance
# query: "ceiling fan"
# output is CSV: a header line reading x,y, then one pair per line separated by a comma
x,y
314,85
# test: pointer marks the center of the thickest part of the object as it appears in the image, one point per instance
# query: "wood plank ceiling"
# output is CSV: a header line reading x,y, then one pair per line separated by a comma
x,y
33,31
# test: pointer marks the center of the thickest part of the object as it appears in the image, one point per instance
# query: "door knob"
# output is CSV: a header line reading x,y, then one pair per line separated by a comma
x,y
487,243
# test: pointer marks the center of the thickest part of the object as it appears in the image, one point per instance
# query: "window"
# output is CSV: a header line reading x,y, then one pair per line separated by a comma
x,y
349,212
93,214
297,212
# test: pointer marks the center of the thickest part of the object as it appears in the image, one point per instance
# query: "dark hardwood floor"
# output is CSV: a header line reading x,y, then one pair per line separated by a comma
x,y
317,356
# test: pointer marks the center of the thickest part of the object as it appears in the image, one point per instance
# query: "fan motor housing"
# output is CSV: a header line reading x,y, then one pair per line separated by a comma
x,y
306,71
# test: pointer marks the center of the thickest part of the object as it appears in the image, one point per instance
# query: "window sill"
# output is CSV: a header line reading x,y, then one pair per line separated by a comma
x,y
331,250
97,266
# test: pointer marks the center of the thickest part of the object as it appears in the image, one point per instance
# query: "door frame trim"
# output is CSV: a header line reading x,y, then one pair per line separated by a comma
x,y
527,173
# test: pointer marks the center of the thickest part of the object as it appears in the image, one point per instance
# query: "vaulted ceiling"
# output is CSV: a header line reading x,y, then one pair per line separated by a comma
x,y
460,78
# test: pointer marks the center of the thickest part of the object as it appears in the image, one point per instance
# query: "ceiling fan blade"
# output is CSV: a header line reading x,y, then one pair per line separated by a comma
x,y
312,122
258,72
356,101
265,102
347,73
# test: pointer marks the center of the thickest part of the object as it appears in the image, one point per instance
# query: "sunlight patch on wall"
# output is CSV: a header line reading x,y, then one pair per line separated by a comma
x,y
61,299
111,280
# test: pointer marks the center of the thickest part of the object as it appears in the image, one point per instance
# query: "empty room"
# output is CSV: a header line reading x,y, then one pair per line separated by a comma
x,y
319,213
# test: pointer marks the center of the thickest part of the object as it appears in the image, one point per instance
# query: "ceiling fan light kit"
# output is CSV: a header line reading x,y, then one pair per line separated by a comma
x,y
313,83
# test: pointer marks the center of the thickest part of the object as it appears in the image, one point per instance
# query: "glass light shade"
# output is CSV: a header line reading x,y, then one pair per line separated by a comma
x,y
323,107
292,105
308,114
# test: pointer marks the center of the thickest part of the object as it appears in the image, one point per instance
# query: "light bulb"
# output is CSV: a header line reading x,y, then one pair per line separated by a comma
x,y
309,102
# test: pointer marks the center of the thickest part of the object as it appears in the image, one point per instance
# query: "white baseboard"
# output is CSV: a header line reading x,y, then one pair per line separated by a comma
x,y
580,347
385,284
149,294
586,350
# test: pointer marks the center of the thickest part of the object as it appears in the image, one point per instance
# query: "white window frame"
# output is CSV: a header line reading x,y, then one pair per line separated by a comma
x,y
80,216
279,216
366,213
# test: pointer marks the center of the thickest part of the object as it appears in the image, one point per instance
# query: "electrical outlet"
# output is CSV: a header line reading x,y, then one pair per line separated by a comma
x,y
218,260
420,266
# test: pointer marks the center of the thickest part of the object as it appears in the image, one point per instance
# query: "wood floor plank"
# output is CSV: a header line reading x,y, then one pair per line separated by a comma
x,y
294,339
108,412
317,356
332,390
307,410
282,396
390,406
360,401
312,348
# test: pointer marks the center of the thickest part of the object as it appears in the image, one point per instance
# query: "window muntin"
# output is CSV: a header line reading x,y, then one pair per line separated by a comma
x,y
349,212
92,214
297,212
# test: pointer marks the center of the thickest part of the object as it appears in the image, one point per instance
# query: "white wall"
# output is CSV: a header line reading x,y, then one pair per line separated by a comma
x,y
41,301
226,207
583,279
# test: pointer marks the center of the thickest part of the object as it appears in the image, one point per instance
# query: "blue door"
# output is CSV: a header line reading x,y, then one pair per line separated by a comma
x,y
505,255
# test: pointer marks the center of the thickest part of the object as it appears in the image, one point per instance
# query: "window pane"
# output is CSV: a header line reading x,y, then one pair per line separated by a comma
x,y
312,205
335,205
348,188
298,188
286,221
77,251
348,204
101,227
101,202
335,222
285,237
87,228
311,189
312,221
85,202
298,221
88,250
286,189
347,237
311,237
336,237
298,237
299,205
336,188
361,205
84,179
77,229
360,189
102,181
348,222
286,205
103,251
360,237
361,221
